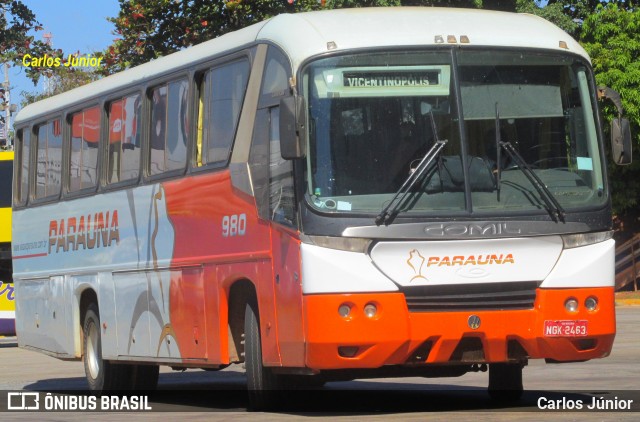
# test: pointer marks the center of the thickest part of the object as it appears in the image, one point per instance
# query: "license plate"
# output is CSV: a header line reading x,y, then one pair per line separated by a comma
x,y
567,328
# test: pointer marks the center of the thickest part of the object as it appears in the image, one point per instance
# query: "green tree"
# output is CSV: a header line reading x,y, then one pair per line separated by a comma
x,y
148,29
16,22
611,36
553,12
581,9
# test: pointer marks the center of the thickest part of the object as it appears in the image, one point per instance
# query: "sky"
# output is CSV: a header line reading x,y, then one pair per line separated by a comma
x,y
76,25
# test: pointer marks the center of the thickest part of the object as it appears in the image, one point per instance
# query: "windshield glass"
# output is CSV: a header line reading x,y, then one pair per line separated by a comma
x,y
372,119
546,114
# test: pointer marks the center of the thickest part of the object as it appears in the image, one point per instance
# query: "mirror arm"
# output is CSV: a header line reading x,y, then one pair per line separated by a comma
x,y
604,92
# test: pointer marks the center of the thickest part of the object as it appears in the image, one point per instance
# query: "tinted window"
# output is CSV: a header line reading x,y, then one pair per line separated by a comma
x,y
220,106
22,164
49,160
281,193
123,160
169,123
275,82
85,134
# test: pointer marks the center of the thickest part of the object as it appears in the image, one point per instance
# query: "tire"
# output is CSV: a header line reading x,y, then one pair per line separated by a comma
x,y
505,382
262,383
101,375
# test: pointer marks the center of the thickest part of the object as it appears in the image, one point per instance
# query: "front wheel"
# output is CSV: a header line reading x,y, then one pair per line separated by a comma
x,y
262,383
505,381
101,375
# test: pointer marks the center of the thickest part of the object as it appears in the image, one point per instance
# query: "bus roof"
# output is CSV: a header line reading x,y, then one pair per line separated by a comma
x,y
304,35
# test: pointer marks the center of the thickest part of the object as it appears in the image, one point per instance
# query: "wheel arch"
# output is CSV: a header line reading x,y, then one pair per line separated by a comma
x,y
85,297
240,293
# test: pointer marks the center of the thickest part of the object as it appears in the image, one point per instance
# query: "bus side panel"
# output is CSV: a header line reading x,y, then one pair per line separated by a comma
x,y
288,289
133,313
102,284
31,294
214,338
188,293
41,316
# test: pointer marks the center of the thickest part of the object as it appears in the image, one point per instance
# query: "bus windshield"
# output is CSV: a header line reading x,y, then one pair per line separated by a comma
x,y
374,116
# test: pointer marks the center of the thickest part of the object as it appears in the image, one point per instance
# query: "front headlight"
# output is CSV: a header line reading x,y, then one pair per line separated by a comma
x,y
350,244
584,239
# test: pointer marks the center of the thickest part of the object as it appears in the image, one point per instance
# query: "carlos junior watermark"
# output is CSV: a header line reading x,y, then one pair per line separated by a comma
x,y
596,403
73,60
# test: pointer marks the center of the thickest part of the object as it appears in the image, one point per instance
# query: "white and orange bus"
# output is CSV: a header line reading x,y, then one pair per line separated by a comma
x,y
348,193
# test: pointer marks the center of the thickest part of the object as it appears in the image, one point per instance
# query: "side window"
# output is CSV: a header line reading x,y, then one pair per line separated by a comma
x,y
85,134
169,127
273,183
49,159
281,193
221,97
276,76
123,159
21,166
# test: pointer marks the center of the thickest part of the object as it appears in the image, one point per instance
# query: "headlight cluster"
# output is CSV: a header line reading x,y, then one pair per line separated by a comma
x,y
572,305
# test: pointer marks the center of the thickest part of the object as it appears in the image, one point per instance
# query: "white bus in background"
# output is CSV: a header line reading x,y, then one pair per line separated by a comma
x,y
329,195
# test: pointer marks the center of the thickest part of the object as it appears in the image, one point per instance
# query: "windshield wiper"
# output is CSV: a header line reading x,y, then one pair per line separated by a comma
x,y
498,156
553,206
391,210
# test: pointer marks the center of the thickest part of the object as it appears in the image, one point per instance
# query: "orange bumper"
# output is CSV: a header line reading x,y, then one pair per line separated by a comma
x,y
394,335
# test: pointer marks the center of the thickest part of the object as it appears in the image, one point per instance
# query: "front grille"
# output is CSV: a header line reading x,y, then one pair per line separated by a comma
x,y
469,297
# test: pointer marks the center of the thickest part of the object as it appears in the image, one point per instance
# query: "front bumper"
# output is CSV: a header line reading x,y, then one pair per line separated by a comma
x,y
395,336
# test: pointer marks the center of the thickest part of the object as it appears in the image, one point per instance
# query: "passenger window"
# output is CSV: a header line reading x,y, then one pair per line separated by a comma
x,y
169,127
22,166
220,103
49,161
85,134
123,160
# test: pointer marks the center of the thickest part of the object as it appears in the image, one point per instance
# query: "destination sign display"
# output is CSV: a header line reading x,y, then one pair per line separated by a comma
x,y
370,79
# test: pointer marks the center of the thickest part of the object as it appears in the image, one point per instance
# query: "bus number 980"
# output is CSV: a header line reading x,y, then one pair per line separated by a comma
x,y
234,225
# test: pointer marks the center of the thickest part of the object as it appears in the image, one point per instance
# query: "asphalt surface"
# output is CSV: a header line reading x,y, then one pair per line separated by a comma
x,y
550,391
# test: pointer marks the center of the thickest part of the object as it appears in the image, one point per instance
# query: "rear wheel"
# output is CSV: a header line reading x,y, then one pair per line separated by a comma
x,y
262,383
505,381
101,375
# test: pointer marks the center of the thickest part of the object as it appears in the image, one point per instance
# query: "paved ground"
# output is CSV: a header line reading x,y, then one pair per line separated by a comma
x,y
200,395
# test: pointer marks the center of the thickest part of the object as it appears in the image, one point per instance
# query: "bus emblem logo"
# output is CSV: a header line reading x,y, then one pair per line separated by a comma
x,y
416,261
474,322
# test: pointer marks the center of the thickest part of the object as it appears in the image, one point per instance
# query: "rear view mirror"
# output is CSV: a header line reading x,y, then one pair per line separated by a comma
x,y
292,128
621,141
